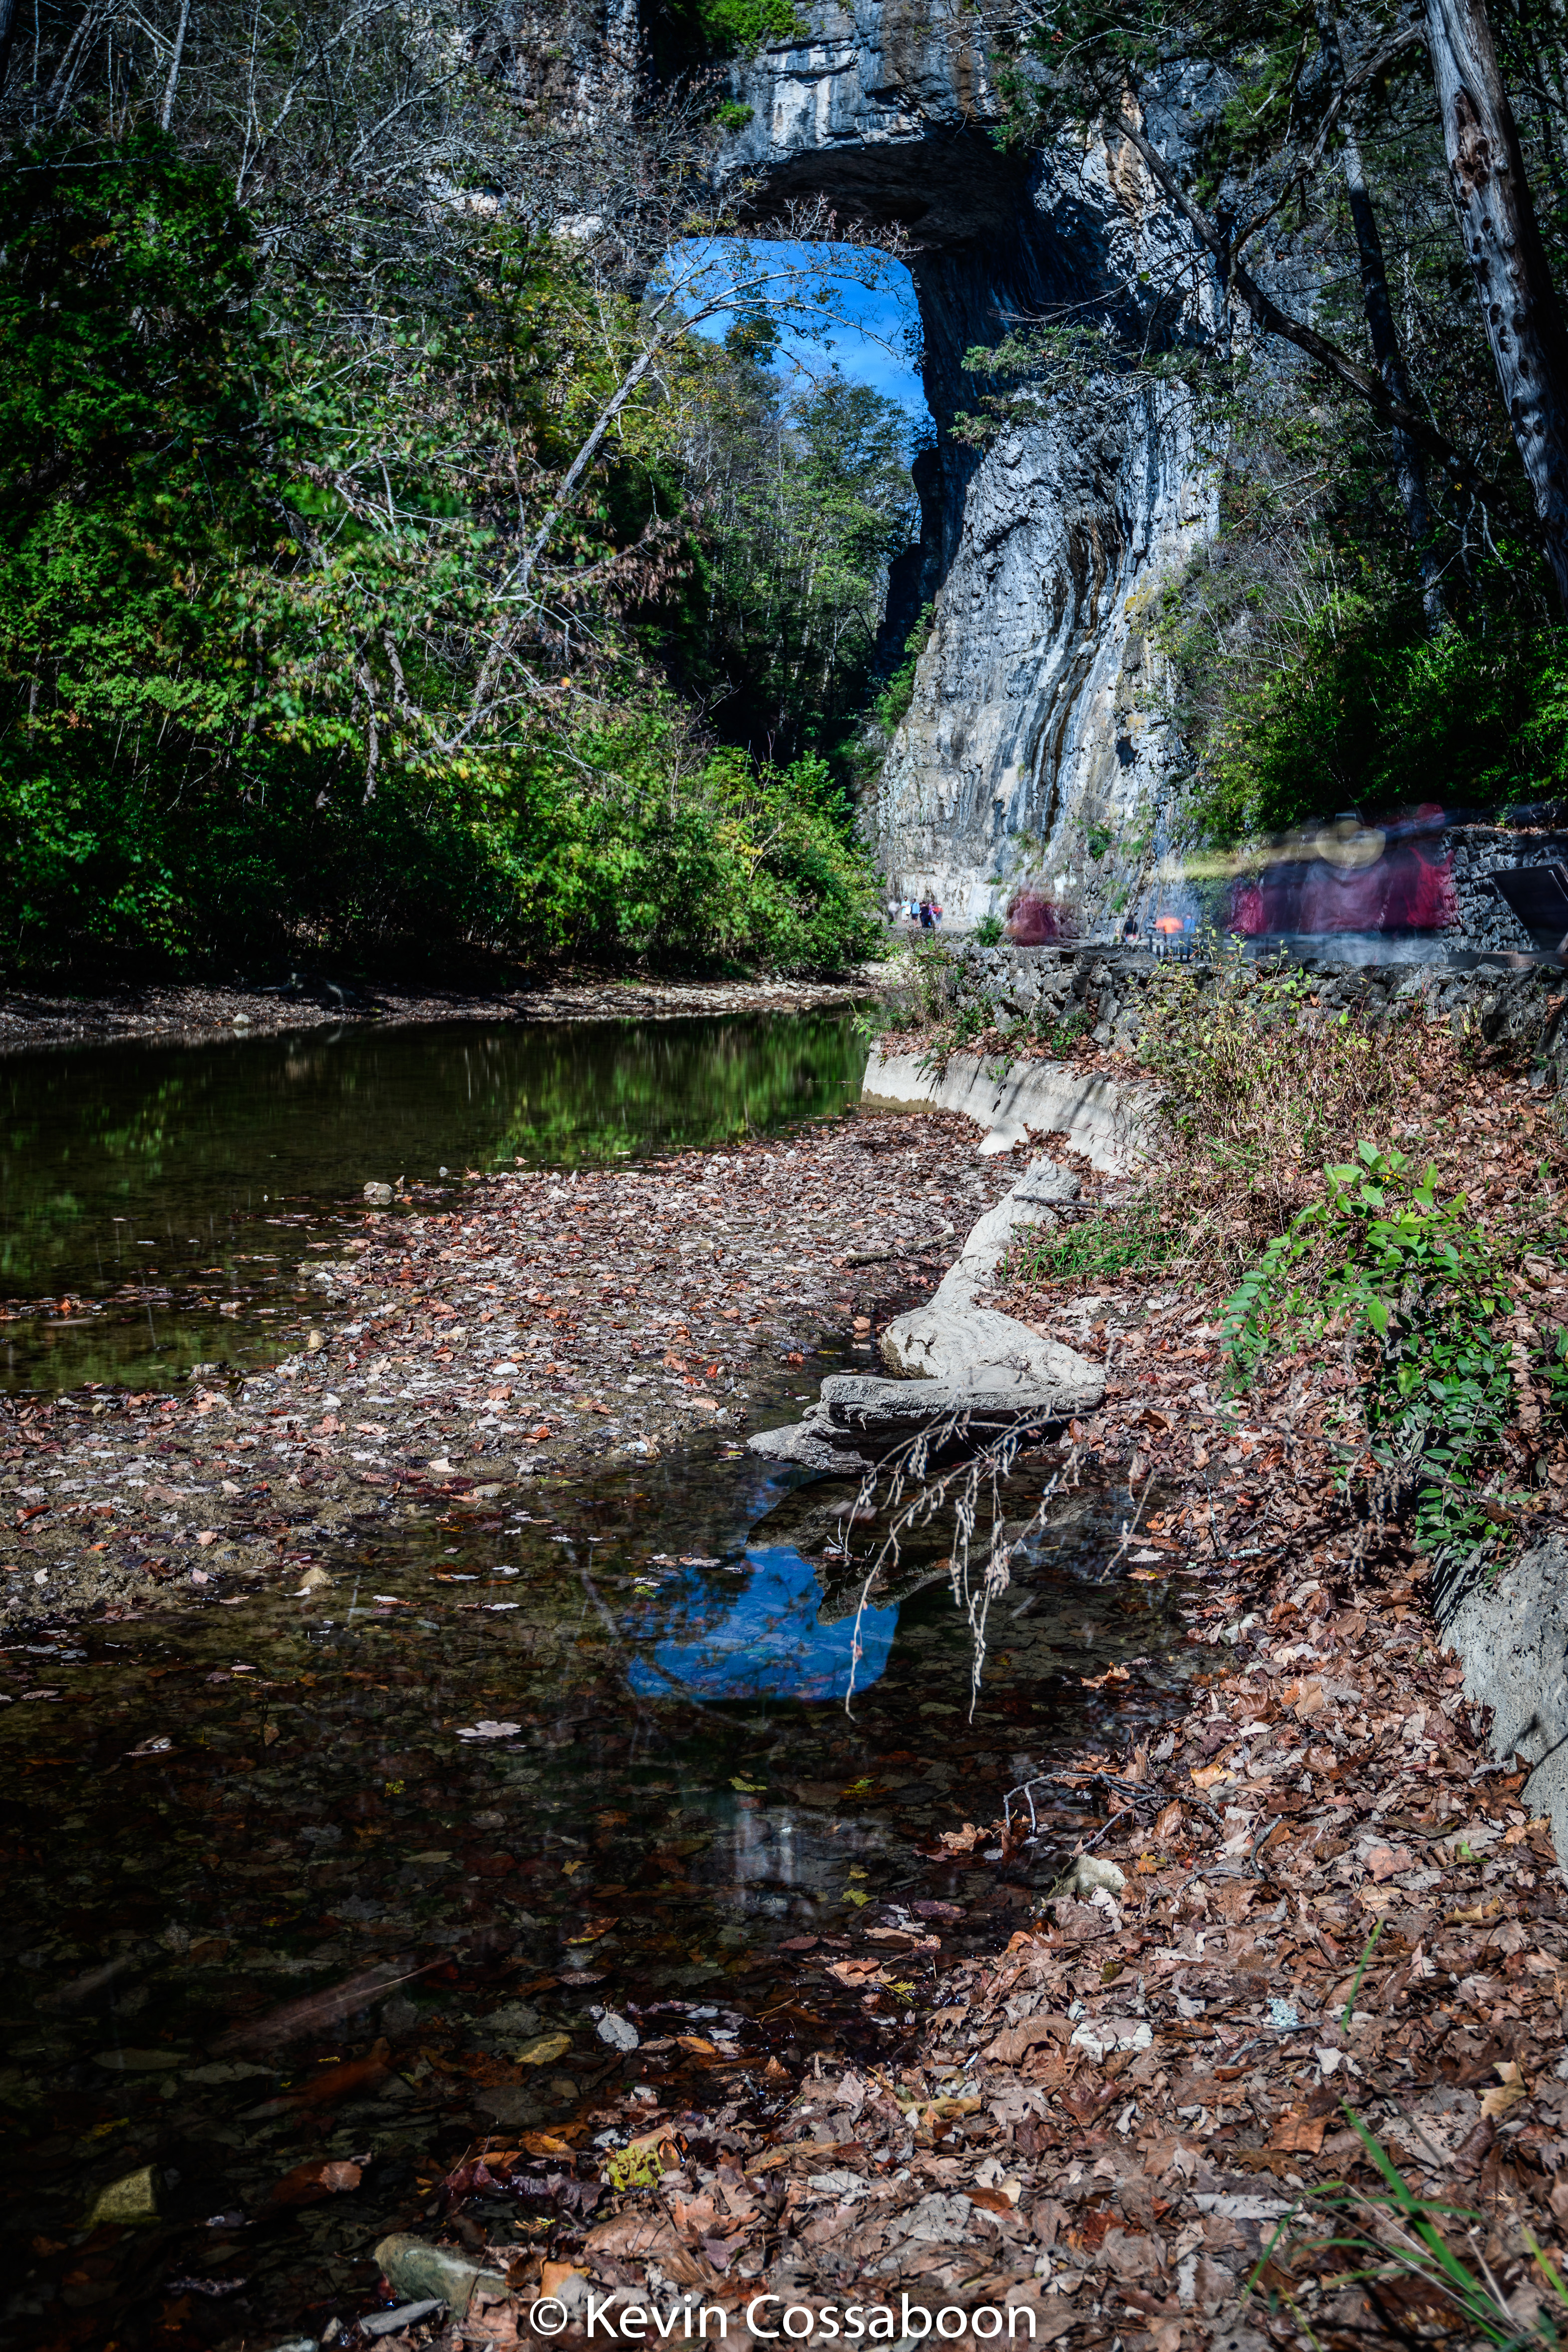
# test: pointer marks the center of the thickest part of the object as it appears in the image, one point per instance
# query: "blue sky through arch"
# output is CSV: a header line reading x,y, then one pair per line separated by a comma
x,y
868,324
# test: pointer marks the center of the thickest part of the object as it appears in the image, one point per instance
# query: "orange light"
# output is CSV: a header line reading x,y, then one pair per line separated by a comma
x,y
1169,923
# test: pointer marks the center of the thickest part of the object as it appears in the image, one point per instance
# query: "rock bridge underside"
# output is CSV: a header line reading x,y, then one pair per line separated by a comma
x,y
1033,750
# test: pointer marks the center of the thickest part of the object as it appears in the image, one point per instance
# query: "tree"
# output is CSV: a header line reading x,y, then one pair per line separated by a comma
x,y
1409,459
1502,237
344,427
803,498
1262,154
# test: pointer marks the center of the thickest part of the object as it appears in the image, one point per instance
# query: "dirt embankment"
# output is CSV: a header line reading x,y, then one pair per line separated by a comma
x,y
550,1321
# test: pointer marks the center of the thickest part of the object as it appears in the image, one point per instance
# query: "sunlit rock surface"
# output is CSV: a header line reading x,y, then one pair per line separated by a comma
x,y
1034,745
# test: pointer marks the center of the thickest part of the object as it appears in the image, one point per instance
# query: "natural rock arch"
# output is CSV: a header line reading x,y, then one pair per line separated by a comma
x,y
1034,743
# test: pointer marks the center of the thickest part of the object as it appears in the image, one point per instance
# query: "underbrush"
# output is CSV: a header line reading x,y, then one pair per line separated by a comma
x,y
1459,1388
1398,2248
1112,1243
1282,1187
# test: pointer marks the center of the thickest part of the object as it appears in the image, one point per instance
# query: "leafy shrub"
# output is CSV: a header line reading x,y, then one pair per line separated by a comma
x,y
1258,1087
192,614
1422,1294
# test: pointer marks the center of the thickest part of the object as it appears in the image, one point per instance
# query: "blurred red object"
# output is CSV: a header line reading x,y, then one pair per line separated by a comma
x,y
1033,921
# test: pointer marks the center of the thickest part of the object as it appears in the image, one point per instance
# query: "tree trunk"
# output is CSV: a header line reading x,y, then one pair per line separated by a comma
x,y
1519,301
8,18
172,83
1409,465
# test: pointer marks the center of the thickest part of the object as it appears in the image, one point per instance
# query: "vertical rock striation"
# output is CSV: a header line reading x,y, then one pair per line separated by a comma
x,y
1033,746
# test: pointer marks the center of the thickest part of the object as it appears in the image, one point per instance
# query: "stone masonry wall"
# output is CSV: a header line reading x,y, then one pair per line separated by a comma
x,y
1485,920
1059,994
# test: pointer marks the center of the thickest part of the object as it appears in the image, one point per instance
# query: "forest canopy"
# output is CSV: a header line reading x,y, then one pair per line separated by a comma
x,y
387,564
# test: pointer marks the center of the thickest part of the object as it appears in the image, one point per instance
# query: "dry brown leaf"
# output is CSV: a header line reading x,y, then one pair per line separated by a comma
x,y
1511,2087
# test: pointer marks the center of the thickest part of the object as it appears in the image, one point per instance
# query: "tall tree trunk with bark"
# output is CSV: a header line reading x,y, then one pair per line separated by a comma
x,y
1409,465
1519,301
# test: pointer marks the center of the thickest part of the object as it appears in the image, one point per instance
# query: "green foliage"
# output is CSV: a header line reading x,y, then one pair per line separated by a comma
x,y
1420,1292
900,690
732,116
693,32
1365,710
246,582
988,930
807,500
1111,1243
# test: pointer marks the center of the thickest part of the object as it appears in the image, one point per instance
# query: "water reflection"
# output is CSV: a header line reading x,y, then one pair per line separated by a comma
x,y
766,1641
162,1199
216,1816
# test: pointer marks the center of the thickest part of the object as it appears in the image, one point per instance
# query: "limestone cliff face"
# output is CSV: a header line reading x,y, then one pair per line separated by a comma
x,y
1032,746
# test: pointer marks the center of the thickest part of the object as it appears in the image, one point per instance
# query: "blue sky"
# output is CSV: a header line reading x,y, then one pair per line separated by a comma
x,y
872,300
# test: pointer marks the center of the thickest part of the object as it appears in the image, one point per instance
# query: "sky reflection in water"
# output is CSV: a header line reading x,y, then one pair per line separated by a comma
x,y
767,1643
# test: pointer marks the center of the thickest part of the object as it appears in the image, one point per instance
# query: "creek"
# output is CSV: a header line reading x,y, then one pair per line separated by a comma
x,y
527,1775
157,1201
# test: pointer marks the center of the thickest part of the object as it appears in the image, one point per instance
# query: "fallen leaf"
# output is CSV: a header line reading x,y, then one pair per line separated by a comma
x,y
308,2184
543,2050
1301,2132
336,2082
1386,1862
1510,2088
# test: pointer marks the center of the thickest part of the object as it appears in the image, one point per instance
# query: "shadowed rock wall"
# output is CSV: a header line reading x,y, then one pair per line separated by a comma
x,y
1033,745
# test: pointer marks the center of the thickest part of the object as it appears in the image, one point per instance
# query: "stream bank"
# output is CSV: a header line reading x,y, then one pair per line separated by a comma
x,y
201,1012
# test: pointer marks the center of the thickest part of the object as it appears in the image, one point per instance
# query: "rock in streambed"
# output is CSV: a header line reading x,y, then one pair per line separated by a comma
x,y
963,1361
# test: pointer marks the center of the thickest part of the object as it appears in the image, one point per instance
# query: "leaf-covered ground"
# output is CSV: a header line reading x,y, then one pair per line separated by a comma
x,y
551,1319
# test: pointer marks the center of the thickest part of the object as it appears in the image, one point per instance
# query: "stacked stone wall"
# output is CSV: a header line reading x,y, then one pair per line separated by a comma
x,y
1060,995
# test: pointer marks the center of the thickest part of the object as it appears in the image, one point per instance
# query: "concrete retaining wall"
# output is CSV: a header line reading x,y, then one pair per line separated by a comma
x,y
1512,1635
1102,1119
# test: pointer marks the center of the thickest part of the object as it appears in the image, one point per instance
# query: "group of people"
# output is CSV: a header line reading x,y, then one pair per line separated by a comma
x,y
924,912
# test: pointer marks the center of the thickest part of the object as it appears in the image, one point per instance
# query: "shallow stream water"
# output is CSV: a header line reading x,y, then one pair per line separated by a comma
x,y
157,1201
524,1774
